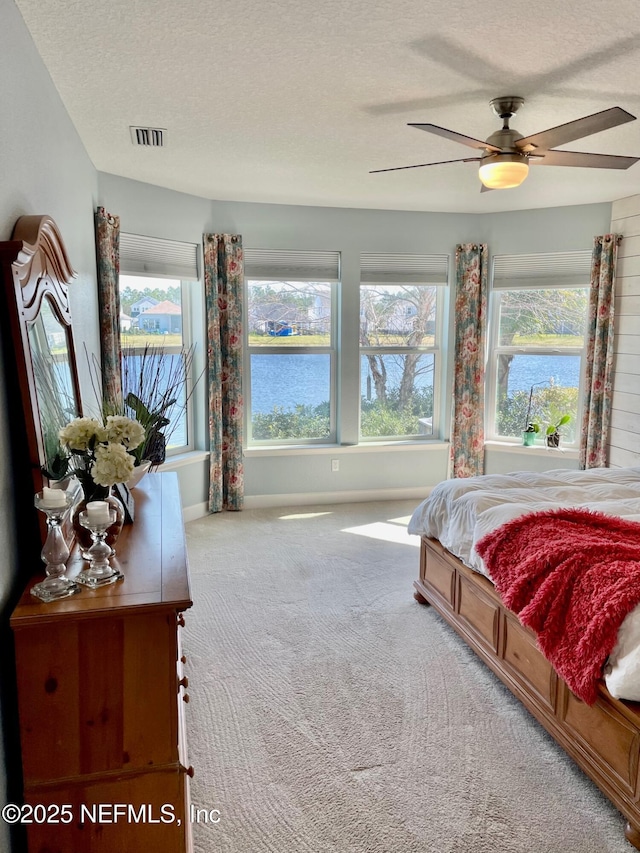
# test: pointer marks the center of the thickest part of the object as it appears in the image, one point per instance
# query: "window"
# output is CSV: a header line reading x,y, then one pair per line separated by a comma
x,y
291,346
157,357
537,342
400,311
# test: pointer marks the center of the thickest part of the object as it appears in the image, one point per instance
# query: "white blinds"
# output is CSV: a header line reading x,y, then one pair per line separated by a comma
x,y
291,265
560,269
151,256
379,268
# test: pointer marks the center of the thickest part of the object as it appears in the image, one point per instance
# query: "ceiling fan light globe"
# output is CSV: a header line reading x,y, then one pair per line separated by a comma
x,y
503,172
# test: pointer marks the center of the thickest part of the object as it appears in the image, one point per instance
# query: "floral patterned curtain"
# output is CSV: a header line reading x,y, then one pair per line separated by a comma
x,y
108,263
466,458
223,282
598,377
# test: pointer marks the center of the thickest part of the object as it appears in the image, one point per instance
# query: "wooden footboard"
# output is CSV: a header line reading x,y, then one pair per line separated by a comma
x,y
604,739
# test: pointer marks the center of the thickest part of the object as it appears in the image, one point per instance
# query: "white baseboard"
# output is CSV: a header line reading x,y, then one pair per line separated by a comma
x,y
191,513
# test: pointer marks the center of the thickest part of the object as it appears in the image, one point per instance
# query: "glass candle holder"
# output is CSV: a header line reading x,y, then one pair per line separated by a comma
x,y
54,503
97,521
83,534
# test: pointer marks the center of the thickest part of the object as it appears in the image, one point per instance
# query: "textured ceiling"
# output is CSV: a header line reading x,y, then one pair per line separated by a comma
x,y
294,101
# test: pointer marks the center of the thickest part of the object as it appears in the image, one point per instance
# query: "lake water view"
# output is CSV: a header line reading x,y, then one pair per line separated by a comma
x,y
304,379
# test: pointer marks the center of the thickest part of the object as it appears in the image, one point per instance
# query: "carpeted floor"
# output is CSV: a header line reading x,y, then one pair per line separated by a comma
x,y
331,713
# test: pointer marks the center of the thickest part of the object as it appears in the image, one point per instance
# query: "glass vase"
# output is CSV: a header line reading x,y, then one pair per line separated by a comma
x,y
83,535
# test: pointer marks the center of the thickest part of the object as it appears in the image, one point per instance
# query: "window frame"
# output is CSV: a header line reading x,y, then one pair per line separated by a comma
x,y
494,350
407,269
537,271
187,343
435,350
332,350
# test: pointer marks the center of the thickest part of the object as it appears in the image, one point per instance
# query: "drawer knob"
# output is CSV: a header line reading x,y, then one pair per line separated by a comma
x,y
186,698
190,771
184,681
183,659
181,620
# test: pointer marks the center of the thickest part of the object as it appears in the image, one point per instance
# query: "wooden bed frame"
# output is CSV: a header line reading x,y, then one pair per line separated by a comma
x,y
604,739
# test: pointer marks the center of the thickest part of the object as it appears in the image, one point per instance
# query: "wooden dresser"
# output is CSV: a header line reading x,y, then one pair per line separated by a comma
x,y
101,695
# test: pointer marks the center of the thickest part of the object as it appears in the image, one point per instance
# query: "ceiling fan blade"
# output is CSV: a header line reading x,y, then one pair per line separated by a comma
x,y
577,158
420,165
456,137
574,130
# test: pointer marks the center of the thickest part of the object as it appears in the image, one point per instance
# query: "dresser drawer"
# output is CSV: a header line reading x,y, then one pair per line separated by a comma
x,y
92,831
183,698
81,687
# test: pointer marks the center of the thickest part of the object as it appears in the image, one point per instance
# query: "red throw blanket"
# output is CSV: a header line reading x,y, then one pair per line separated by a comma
x,y
572,576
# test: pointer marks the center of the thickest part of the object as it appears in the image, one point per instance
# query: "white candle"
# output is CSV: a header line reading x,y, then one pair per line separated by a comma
x,y
53,498
98,512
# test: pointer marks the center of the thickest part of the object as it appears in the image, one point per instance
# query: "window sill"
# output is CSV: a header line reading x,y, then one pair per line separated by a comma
x,y
515,447
327,449
171,463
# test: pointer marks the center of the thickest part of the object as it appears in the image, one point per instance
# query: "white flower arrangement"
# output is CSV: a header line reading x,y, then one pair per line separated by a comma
x,y
125,431
112,464
100,455
78,434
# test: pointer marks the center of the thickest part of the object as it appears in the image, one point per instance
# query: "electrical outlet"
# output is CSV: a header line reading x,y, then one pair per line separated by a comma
x,y
335,464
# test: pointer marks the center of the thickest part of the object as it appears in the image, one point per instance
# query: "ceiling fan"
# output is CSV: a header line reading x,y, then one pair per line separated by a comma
x,y
507,154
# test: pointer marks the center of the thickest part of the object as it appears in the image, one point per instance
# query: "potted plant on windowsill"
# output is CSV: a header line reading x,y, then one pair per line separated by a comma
x,y
532,428
530,433
553,435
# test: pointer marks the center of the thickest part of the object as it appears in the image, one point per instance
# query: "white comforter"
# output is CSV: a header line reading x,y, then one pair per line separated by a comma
x,y
460,512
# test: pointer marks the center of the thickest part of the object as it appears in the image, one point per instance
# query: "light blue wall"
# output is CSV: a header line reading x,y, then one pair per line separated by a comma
x,y
557,229
44,169
299,475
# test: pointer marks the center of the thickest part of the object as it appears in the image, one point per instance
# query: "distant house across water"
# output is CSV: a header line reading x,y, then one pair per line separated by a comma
x,y
161,317
280,318
141,305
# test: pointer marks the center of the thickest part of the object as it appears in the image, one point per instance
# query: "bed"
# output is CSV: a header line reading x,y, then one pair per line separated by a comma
x,y
602,737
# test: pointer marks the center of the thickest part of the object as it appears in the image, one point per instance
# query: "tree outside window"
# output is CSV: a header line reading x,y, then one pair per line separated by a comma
x,y
397,358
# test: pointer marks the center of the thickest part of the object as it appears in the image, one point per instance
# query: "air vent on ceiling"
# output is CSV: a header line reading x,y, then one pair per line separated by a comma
x,y
151,137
